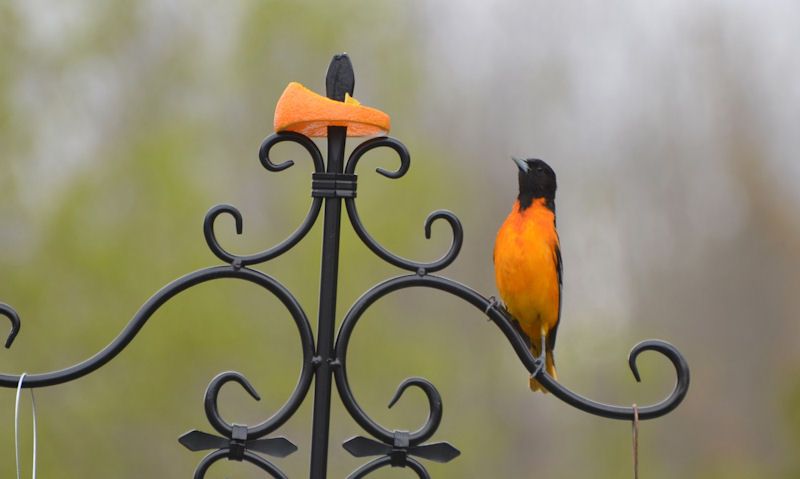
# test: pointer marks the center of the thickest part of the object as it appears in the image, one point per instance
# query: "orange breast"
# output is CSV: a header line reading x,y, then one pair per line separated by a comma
x,y
525,267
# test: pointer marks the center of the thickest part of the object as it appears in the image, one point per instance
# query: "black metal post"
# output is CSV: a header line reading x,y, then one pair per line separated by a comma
x,y
339,81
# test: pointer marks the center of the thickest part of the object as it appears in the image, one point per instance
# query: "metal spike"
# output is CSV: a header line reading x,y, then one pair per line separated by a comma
x,y
437,452
274,446
199,441
360,446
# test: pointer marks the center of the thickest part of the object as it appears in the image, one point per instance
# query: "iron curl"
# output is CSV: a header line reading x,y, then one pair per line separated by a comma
x,y
212,396
383,141
289,136
627,413
266,255
16,324
274,422
296,236
239,441
435,405
352,212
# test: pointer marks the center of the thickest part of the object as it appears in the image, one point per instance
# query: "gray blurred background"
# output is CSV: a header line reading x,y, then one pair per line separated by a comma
x,y
672,126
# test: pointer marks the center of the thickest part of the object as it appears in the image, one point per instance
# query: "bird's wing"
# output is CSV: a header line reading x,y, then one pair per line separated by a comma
x,y
551,335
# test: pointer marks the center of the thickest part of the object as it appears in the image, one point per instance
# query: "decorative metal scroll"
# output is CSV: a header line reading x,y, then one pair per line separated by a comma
x,y
333,183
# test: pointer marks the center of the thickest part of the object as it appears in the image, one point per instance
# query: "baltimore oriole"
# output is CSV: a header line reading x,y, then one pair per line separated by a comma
x,y
527,261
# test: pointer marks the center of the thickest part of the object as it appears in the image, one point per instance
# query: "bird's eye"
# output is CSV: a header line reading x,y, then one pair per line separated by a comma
x,y
539,169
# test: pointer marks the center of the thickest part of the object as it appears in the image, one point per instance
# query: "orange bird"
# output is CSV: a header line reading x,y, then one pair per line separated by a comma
x,y
527,261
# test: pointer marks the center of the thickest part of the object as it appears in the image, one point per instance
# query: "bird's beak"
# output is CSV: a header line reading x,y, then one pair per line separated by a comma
x,y
523,166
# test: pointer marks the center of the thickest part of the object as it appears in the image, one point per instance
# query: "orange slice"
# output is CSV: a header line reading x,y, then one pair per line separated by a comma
x,y
303,111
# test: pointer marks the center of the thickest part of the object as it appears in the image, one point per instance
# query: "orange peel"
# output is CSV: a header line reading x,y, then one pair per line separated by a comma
x,y
303,111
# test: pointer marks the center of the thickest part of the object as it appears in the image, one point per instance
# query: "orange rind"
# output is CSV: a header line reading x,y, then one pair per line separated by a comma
x,y
303,111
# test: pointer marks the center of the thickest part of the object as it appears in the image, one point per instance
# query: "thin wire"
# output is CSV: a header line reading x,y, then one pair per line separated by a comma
x,y
16,427
635,427
33,410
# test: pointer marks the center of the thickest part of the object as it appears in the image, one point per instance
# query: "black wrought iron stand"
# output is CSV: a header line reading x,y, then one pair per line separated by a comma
x,y
326,359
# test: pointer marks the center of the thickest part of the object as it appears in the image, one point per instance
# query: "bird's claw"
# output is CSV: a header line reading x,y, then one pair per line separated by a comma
x,y
539,363
493,302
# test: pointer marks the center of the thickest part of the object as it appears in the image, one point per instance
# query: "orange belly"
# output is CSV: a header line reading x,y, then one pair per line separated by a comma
x,y
525,269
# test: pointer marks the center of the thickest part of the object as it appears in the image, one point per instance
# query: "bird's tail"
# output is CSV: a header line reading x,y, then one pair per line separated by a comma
x,y
550,367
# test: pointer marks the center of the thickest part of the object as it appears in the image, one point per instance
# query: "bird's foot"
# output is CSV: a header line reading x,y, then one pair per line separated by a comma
x,y
536,372
493,304
541,357
543,347
540,364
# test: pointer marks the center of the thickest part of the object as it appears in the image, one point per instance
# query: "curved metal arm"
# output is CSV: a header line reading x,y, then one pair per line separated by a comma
x,y
8,312
302,140
532,364
250,457
297,235
382,141
152,305
372,244
277,420
419,436
626,413
434,404
241,440
212,397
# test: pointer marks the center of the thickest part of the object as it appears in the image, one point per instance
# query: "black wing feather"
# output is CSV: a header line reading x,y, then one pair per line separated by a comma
x,y
551,336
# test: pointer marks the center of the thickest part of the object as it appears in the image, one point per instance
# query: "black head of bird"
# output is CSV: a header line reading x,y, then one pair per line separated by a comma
x,y
536,180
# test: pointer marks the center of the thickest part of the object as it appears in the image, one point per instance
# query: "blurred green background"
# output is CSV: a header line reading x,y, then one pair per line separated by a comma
x,y
672,125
